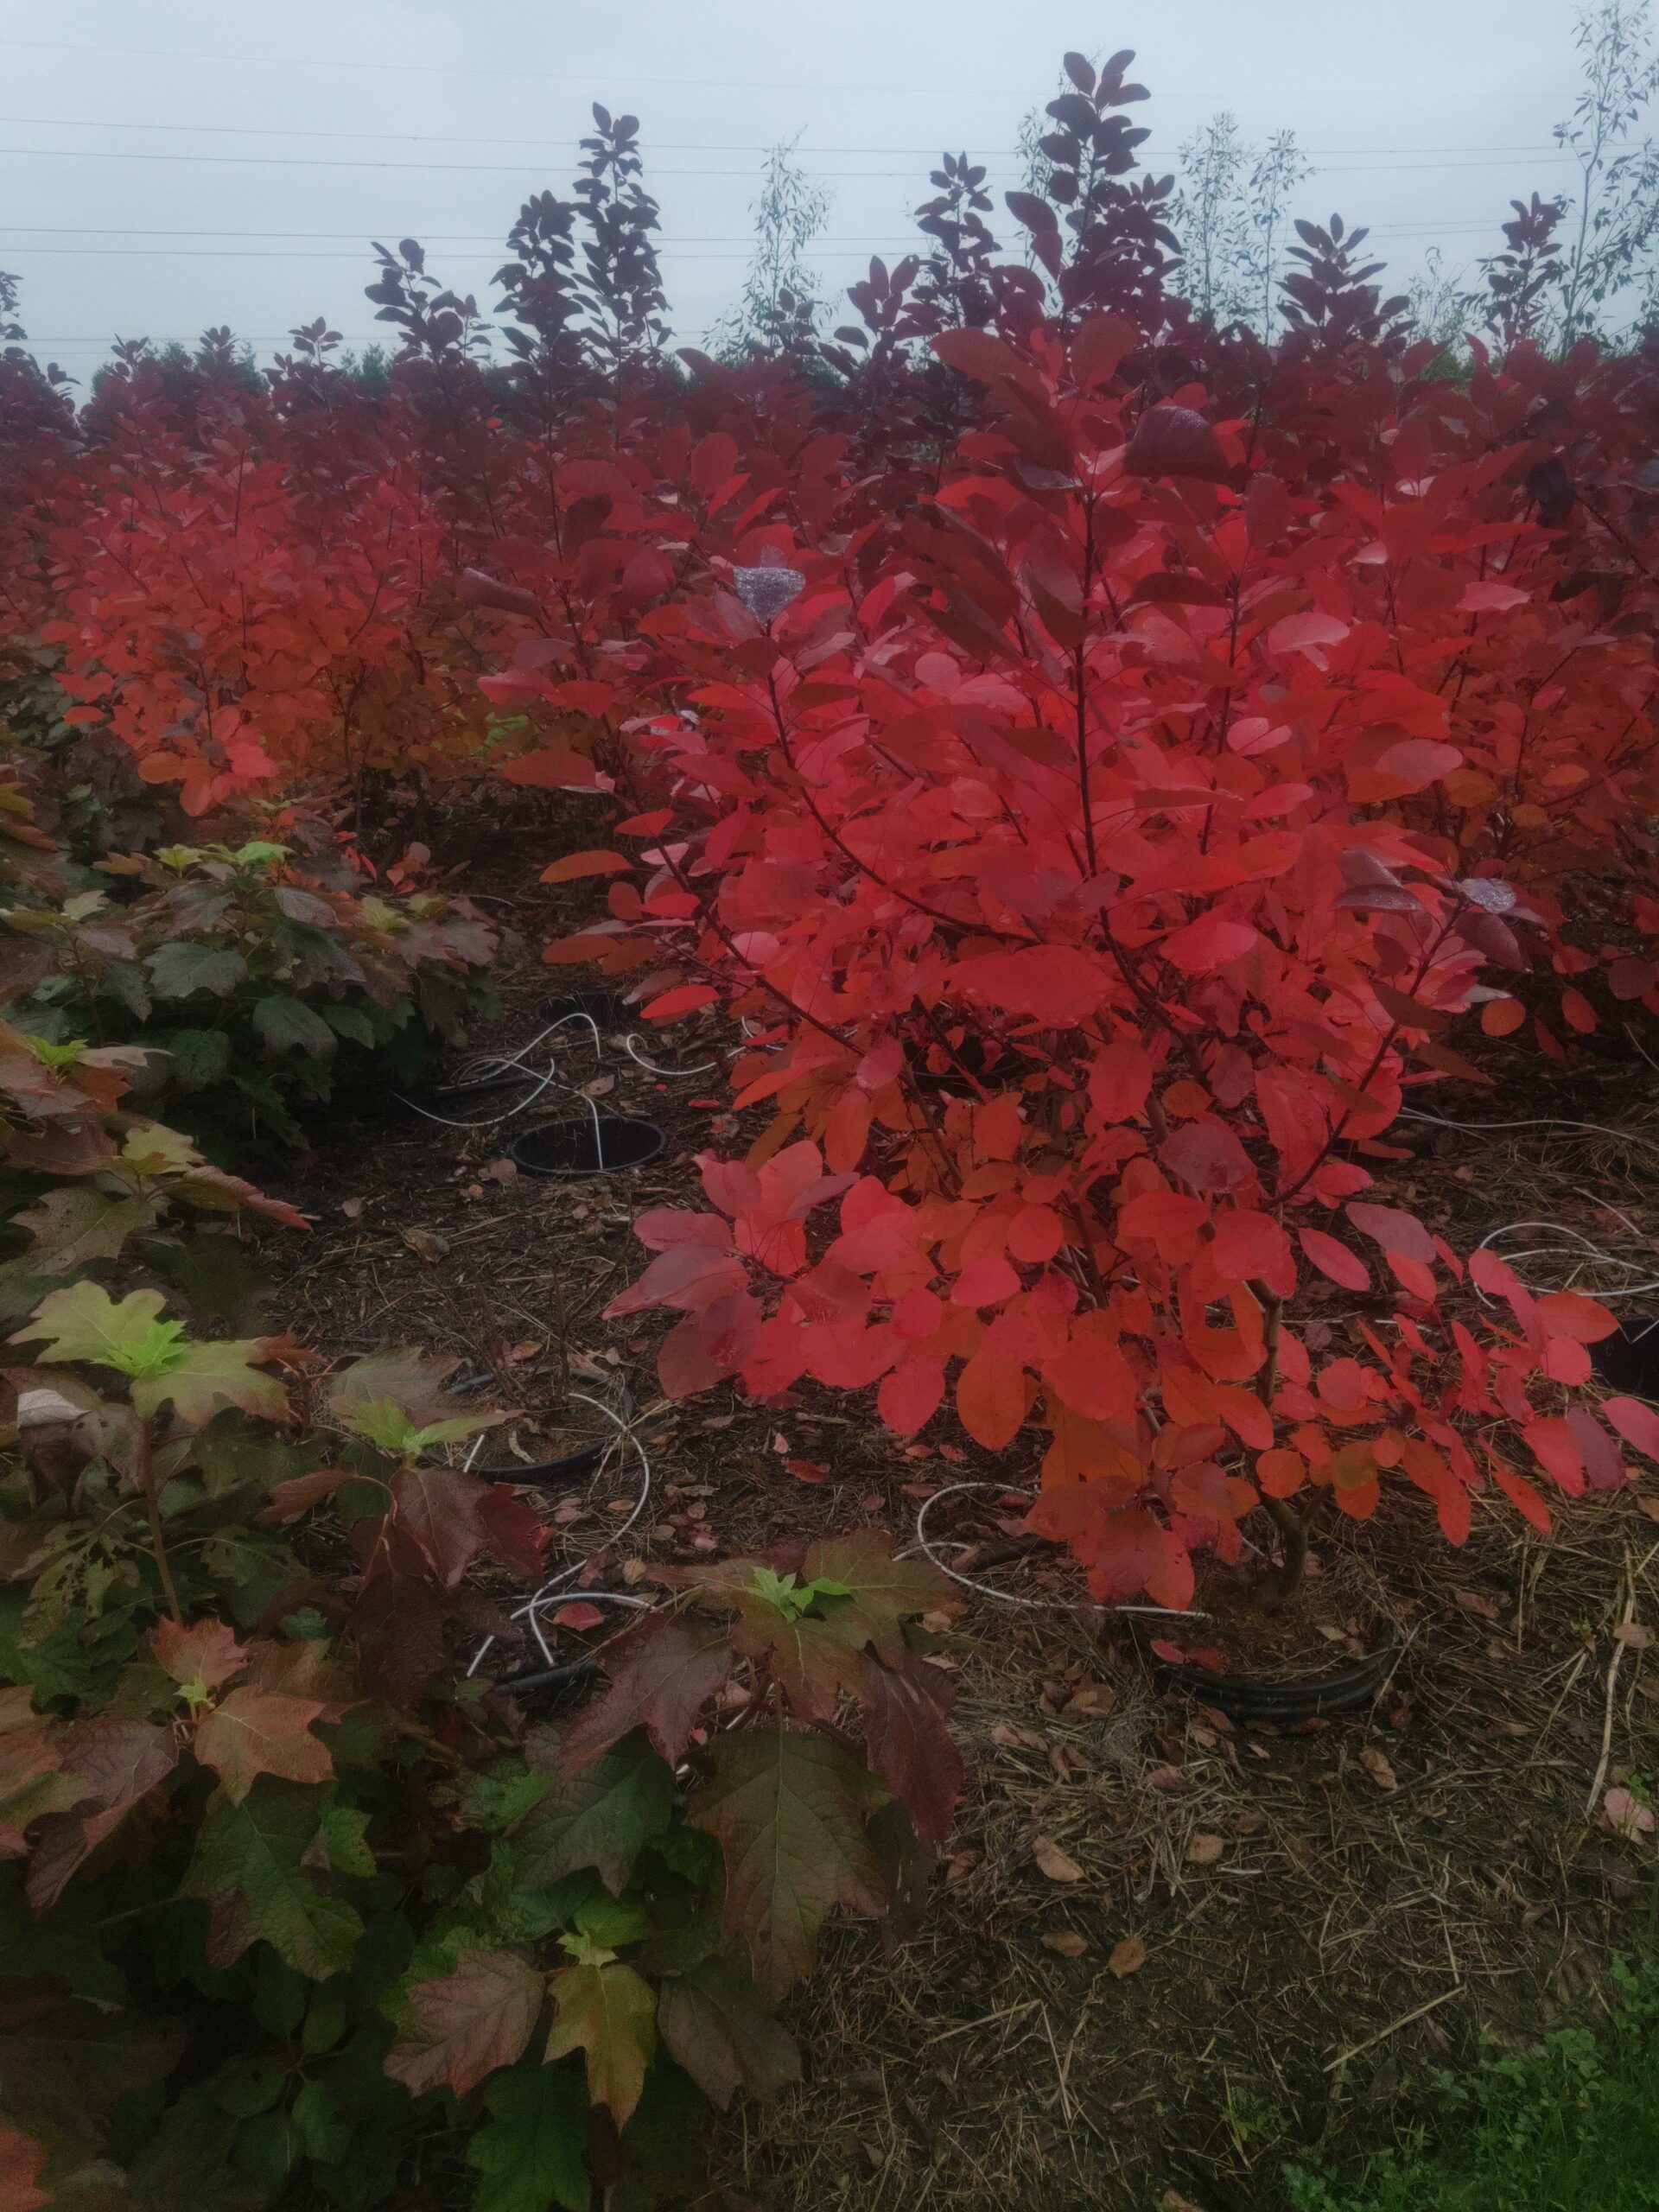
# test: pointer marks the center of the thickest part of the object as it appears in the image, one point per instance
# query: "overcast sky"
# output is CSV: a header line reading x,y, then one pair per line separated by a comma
x,y
182,164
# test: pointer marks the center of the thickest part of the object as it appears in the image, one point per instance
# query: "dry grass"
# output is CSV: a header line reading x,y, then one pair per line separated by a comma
x,y
1346,1934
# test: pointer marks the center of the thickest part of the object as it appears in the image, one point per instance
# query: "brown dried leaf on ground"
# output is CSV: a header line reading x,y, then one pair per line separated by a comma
x,y
1128,1956
1376,1763
1057,1864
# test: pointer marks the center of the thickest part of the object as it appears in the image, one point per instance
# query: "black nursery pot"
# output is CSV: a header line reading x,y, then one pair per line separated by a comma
x,y
587,1146
440,1098
1254,1697
1628,1359
553,1474
605,1009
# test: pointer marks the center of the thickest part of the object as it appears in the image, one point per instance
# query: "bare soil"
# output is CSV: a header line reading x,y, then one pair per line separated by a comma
x,y
1276,1937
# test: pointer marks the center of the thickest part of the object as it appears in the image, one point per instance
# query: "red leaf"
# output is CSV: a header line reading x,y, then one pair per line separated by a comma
x,y
1397,1232
991,1400
1161,1213
1248,1244
589,863
1174,442
472,2021
1213,941
1637,1424
909,1742
1056,983
1556,1450
1522,1494
662,1675
910,1393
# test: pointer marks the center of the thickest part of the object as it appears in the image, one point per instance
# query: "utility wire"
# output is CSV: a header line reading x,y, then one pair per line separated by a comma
x,y
564,145
517,168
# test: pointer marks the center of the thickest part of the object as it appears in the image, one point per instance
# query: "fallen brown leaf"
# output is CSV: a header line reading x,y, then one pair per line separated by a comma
x,y
1067,1942
1057,1864
1476,1601
1204,1850
1376,1763
1635,1636
1094,1700
1623,1814
425,1245
1128,1956
1167,1778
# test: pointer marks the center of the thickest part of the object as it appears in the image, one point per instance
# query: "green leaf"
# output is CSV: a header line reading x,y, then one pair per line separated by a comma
x,y
70,2061
389,1429
289,1026
787,1809
197,1057
179,967
71,1227
603,1817
664,2145
713,2023
255,1851
528,2153
493,1799
57,1057
205,1378
351,1023
395,1394
324,2132
881,1590
86,1323
469,2023
609,2013
188,2160
344,1832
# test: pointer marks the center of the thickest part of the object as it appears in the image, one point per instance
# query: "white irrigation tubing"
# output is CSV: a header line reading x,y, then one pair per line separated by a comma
x,y
553,1591
1573,1246
1542,1121
674,1075
924,1544
482,1065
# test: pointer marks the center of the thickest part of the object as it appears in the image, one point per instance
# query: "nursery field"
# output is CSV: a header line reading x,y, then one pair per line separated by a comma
x,y
1255,1939
829,1230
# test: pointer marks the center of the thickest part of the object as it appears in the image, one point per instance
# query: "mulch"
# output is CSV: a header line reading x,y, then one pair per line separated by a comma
x,y
1273,1937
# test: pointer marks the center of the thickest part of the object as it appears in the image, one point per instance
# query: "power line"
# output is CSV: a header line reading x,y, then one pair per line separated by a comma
x,y
439,138
379,67
564,145
518,168
821,250
426,169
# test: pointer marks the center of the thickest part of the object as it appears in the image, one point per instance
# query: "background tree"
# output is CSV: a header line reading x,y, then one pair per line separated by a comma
x,y
1210,215
1279,169
1613,214
775,311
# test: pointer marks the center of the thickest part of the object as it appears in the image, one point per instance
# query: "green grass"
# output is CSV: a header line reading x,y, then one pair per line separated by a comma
x,y
1573,2125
